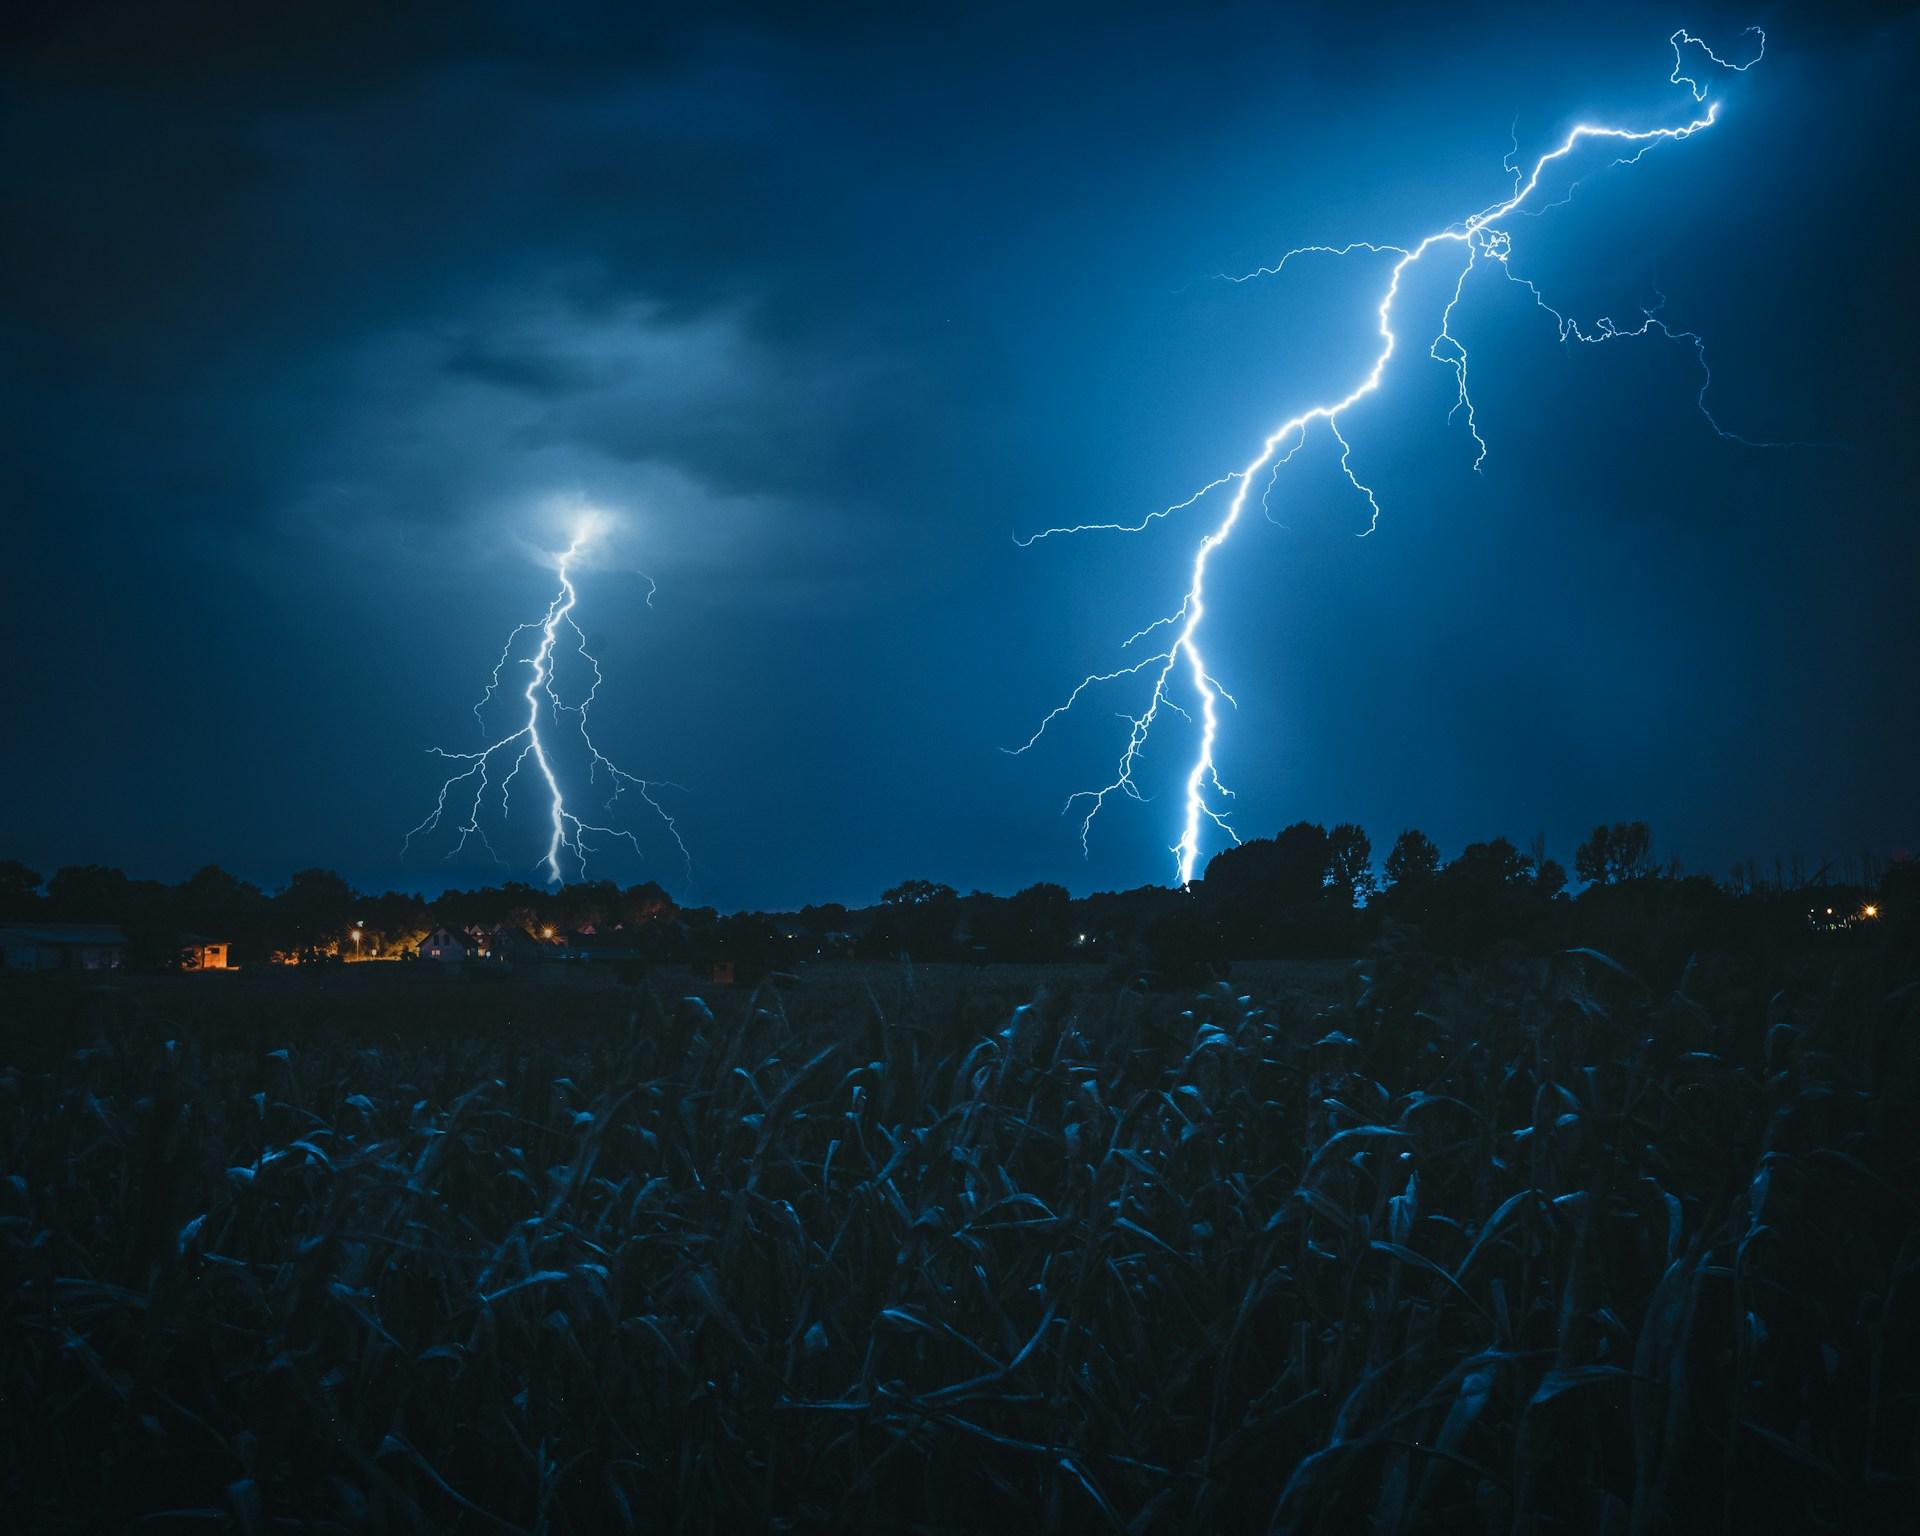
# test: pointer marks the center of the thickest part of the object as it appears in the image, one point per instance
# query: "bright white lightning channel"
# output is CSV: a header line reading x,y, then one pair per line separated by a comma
x,y
567,832
1478,237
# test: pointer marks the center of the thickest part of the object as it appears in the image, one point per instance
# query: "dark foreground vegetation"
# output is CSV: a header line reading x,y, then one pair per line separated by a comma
x,y
1525,1245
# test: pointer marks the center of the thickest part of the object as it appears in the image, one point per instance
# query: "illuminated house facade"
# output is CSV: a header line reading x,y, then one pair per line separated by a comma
x,y
198,954
443,944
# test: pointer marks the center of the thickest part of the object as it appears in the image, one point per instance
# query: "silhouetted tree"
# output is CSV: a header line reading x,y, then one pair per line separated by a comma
x,y
642,904
917,918
752,943
515,904
19,890
1898,903
1255,892
1032,927
220,906
826,917
1415,858
1590,858
393,923
315,911
917,893
1623,851
1653,927
1272,873
216,903
89,893
586,906
1486,895
1495,862
1116,921
1350,863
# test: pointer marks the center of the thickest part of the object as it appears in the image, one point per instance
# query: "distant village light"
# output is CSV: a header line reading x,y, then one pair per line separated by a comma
x,y
1869,911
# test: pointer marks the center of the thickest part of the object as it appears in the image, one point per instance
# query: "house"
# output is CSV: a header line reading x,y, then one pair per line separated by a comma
x,y
443,944
62,946
510,945
203,954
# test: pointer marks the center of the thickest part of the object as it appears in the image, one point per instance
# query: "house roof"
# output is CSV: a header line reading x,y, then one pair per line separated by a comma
x,y
62,933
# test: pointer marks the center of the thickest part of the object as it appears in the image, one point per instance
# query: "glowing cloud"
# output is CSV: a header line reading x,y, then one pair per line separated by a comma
x,y
1477,238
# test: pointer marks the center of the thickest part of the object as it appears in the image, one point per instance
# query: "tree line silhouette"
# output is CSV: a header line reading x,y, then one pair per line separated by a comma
x,y
1307,892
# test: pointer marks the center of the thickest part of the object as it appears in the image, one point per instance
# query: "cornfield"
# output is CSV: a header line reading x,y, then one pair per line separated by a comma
x,y
1530,1247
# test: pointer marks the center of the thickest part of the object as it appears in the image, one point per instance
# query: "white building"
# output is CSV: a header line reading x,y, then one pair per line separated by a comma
x,y
62,946
443,944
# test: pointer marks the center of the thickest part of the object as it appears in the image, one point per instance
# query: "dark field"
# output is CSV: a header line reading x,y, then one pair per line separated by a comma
x,y
1383,1247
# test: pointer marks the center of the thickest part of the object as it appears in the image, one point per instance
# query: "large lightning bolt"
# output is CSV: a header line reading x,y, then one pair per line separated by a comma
x,y
1478,238
567,832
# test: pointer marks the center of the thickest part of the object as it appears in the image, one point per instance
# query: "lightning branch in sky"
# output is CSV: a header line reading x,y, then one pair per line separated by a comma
x,y
538,737
1481,239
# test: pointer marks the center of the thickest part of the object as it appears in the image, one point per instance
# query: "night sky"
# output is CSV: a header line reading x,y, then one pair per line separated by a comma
x,y
318,323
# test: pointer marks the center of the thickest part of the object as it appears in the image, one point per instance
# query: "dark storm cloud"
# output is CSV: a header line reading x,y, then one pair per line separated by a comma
x,y
710,394
228,205
532,369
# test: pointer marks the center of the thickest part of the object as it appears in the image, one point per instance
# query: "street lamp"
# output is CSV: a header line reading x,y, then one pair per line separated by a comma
x,y
356,943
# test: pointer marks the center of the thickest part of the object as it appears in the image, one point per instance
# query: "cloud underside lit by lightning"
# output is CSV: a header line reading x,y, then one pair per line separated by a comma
x,y
1476,240
568,832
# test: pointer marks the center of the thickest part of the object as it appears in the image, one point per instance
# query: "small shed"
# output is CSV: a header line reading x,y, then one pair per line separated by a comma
x,y
198,953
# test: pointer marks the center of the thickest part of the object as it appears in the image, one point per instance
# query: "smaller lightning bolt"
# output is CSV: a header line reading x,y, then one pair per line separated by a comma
x,y
567,831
